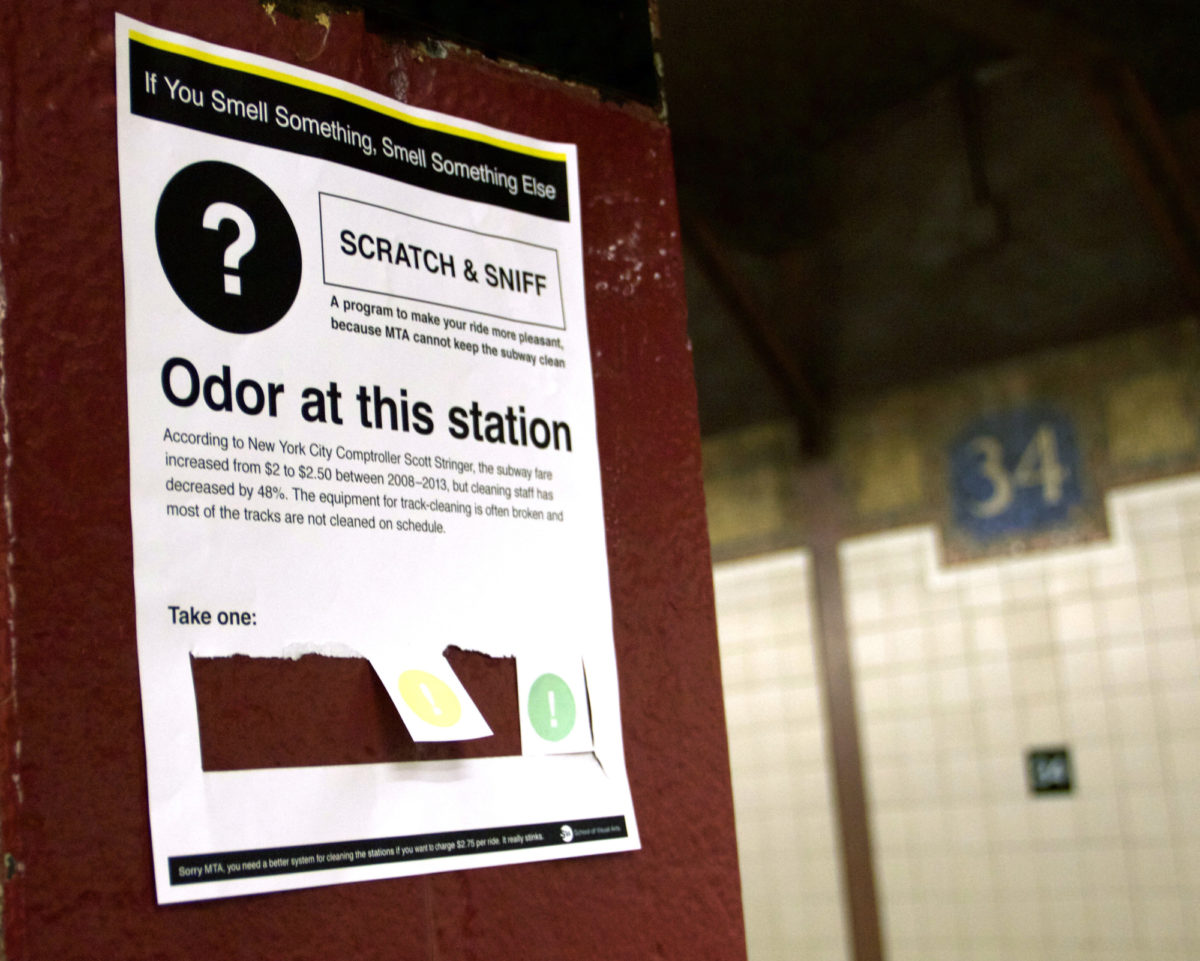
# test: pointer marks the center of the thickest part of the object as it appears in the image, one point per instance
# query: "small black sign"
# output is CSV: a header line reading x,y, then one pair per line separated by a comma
x,y
1050,770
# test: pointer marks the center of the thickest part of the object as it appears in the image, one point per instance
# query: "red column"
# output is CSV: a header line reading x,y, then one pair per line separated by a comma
x,y
77,871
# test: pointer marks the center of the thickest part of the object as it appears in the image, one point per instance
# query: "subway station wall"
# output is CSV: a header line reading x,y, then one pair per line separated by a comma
x,y
972,648
778,747
961,672
77,878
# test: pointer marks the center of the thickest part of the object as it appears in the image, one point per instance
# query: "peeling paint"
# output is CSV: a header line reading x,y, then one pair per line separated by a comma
x,y
310,10
9,704
306,47
434,49
398,75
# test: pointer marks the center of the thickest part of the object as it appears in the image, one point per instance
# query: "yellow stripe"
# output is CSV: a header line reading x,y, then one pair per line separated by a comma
x,y
271,74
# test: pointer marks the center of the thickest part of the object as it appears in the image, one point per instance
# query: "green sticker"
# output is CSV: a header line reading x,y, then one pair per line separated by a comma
x,y
551,707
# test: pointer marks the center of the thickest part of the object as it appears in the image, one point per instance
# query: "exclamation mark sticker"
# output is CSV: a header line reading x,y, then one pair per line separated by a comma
x,y
551,707
438,711
430,698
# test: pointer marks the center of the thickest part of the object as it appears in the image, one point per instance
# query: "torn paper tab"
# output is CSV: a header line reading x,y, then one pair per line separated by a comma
x,y
429,696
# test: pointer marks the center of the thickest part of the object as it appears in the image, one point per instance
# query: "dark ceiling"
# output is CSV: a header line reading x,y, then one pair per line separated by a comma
x,y
878,192
875,192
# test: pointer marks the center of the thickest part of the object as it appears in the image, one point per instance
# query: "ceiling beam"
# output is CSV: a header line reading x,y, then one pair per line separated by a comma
x,y
777,360
1133,122
1041,33
1162,182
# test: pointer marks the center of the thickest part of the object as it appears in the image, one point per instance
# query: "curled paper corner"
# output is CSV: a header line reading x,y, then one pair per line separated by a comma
x,y
599,763
201,650
220,648
449,649
596,747
296,651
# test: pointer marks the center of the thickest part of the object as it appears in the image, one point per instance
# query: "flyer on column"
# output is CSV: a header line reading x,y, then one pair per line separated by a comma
x,y
361,424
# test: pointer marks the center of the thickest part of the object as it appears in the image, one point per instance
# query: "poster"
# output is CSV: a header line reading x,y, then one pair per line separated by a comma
x,y
361,424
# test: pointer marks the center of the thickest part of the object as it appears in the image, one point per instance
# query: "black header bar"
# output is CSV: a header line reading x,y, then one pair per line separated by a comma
x,y
242,105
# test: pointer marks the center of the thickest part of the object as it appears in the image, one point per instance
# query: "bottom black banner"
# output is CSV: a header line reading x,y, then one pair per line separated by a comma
x,y
230,865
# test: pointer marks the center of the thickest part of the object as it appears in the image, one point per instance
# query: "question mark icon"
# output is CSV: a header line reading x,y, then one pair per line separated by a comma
x,y
213,211
243,241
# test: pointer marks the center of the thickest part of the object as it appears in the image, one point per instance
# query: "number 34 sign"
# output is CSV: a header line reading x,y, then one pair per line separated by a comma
x,y
1015,472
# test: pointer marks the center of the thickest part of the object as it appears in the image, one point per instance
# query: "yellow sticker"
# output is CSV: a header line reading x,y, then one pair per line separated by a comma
x,y
430,698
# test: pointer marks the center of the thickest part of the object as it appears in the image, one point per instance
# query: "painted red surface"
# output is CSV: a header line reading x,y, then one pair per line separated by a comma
x,y
347,716
75,830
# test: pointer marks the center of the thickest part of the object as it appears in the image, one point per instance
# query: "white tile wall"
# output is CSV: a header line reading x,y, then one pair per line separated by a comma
x,y
960,671
787,849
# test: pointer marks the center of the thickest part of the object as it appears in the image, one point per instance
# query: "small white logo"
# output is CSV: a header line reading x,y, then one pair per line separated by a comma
x,y
566,833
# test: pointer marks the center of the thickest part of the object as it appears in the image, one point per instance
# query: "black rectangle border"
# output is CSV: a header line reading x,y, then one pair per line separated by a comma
x,y
433,303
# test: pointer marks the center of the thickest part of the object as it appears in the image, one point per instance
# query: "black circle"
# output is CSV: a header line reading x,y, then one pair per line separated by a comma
x,y
194,256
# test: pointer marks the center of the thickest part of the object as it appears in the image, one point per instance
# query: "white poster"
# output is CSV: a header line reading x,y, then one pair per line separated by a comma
x,y
361,424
